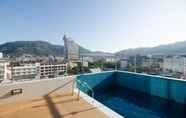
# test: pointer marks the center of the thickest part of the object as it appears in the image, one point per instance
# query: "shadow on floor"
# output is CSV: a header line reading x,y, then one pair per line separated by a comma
x,y
80,111
59,102
56,96
7,95
52,108
60,87
56,113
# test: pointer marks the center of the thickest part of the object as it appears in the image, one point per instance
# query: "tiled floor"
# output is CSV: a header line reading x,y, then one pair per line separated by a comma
x,y
51,106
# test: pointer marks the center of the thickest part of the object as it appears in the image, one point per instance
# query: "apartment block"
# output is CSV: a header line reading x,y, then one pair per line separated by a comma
x,y
52,70
30,71
175,64
5,72
27,71
1,71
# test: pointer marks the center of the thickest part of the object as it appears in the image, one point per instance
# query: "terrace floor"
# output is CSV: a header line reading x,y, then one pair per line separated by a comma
x,y
51,106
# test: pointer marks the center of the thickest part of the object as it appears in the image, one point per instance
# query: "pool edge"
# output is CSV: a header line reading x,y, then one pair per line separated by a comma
x,y
109,112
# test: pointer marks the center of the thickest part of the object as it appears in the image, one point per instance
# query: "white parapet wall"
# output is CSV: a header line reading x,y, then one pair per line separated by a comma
x,y
34,88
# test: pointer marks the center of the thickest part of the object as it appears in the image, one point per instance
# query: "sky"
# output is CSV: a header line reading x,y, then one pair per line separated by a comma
x,y
99,25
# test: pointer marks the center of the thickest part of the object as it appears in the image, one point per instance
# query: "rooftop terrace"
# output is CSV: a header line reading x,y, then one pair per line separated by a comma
x,y
48,98
53,98
56,105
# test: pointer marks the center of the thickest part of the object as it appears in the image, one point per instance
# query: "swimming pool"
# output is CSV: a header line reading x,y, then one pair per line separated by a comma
x,y
135,95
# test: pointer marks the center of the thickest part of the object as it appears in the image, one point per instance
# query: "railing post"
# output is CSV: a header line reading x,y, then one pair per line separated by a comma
x,y
78,95
73,86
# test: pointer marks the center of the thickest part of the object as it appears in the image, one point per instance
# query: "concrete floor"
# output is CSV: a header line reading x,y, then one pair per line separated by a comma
x,y
56,105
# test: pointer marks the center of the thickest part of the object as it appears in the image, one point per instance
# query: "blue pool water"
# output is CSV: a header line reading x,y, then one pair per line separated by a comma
x,y
134,104
138,96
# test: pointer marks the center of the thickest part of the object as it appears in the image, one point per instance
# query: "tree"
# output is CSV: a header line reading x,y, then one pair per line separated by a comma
x,y
79,69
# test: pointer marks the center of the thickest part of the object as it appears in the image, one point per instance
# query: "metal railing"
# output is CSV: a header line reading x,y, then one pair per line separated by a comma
x,y
86,87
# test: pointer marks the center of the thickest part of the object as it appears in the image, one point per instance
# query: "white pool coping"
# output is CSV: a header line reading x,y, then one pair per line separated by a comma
x,y
109,112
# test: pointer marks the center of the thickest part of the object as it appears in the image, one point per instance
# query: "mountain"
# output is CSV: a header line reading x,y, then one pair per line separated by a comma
x,y
36,48
42,48
178,48
83,50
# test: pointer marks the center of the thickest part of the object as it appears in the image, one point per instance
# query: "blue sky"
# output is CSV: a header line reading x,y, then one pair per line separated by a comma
x,y
104,25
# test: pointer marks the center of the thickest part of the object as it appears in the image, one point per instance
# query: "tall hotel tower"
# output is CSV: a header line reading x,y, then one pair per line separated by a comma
x,y
71,50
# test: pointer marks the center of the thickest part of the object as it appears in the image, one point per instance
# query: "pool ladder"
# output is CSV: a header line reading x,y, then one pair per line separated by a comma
x,y
86,87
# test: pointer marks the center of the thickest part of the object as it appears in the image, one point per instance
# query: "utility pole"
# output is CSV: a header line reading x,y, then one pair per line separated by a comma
x,y
135,63
82,69
116,66
11,66
184,61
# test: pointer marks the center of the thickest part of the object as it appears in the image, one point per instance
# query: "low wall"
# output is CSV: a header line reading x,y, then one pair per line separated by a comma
x,y
164,87
34,88
97,80
168,88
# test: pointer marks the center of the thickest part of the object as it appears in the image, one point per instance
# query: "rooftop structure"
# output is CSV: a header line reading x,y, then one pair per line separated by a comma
x,y
112,94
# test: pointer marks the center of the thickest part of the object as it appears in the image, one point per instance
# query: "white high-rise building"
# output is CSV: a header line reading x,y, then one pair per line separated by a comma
x,y
71,50
1,55
5,72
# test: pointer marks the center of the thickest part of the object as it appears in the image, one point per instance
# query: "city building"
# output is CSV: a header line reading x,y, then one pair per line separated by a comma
x,y
37,71
25,58
135,60
174,64
111,58
152,61
1,55
92,57
24,72
123,64
2,70
85,63
71,50
47,71
30,71
5,73
87,58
